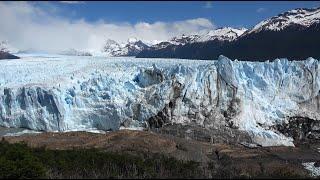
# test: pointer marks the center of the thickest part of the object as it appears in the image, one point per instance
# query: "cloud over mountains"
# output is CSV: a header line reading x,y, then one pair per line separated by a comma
x,y
27,26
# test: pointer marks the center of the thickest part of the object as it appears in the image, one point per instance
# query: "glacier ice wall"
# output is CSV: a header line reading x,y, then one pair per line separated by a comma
x,y
77,93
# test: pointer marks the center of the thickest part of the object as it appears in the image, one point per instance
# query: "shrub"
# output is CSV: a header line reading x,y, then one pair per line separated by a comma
x,y
20,161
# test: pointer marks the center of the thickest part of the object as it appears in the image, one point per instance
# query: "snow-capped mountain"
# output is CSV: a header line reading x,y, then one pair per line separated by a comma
x,y
179,40
302,17
112,48
294,34
134,46
131,48
184,39
220,34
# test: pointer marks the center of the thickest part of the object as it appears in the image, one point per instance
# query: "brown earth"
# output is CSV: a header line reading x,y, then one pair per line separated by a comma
x,y
232,159
120,141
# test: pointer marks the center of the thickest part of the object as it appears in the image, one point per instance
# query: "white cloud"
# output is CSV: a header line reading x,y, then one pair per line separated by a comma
x,y
261,10
26,26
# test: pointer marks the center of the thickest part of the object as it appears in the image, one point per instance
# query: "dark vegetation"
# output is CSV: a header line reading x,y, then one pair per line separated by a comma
x,y
20,161
229,168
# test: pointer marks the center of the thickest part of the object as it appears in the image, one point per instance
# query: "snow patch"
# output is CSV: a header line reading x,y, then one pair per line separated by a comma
x,y
26,131
314,171
301,16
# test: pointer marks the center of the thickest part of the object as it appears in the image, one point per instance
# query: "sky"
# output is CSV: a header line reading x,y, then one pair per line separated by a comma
x,y
234,14
56,26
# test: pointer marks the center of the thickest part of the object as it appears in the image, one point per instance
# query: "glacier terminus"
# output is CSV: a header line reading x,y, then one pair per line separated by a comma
x,y
62,93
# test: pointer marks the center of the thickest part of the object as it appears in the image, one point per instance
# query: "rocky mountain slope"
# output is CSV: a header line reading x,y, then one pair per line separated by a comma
x,y
301,17
131,48
220,35
6,55
293,34
134,46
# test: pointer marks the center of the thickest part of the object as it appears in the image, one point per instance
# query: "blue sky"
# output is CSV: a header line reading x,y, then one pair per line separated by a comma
x,y
234,14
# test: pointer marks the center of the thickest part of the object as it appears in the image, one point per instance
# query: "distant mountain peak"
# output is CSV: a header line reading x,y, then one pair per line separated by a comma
x,y
220,34
304,17
224,33
131,48
293,34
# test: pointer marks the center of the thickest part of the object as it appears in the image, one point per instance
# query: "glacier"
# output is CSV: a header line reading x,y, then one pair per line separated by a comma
x,y
67,93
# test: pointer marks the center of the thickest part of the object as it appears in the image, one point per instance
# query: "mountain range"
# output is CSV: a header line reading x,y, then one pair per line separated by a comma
x,y
294,34
133,46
